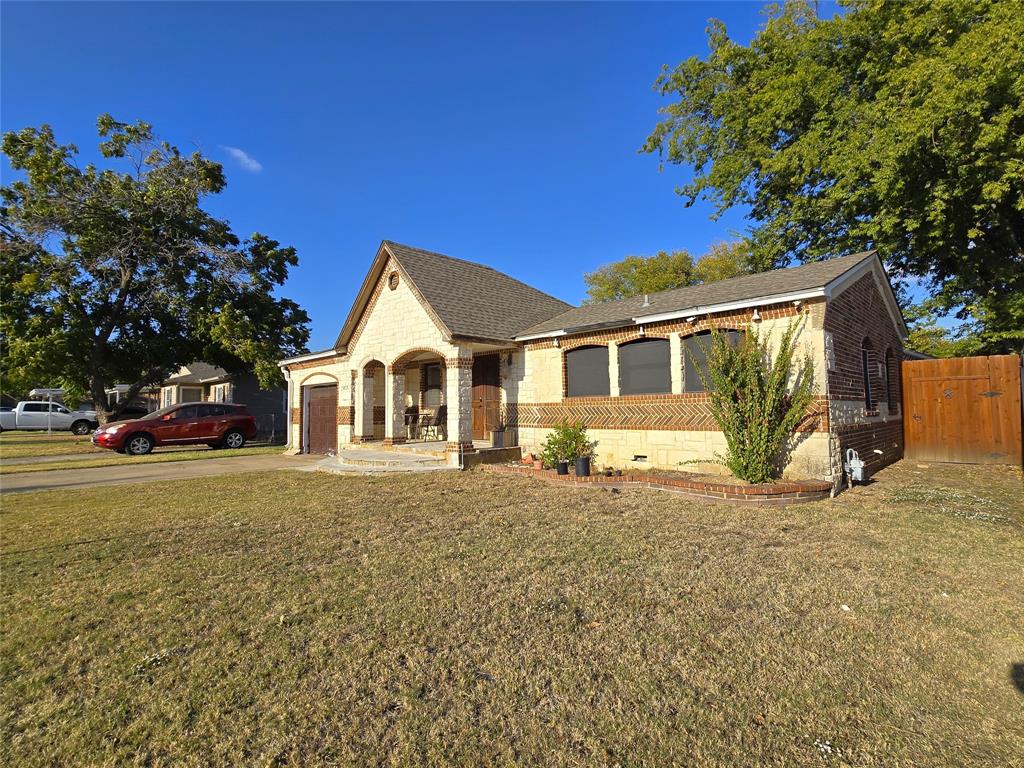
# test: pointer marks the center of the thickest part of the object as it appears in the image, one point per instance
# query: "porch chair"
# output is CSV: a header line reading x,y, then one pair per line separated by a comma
x,y
435,425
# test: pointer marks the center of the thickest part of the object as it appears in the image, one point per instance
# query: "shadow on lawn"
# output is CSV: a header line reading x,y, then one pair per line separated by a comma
x,y
1017,677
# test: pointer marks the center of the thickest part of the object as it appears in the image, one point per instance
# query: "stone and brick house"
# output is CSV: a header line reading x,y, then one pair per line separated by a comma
x,y
437,348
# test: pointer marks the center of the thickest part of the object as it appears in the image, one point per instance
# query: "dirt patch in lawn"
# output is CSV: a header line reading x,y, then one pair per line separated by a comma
x,y
469,619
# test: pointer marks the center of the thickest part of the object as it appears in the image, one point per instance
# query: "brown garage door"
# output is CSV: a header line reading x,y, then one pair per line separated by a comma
x,y
963,409
323,419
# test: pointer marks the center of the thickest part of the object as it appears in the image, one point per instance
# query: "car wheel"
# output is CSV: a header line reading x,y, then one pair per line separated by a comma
x,y
234,439
139,445
80,428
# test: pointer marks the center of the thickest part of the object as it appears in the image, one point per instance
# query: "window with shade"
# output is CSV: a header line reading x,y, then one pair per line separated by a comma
x,y
645,367
586,372
892,379
695,357
866,354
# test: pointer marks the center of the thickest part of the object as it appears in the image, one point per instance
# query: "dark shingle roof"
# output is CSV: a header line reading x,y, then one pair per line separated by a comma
x,y
471,299
779,281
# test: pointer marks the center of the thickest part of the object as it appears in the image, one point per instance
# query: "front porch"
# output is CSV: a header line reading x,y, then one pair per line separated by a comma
x,y
428,402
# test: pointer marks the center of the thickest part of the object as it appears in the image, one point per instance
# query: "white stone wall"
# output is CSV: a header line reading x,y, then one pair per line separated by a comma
x,y
685,450
397,323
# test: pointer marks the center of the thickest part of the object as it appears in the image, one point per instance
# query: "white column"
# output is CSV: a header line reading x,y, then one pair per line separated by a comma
x,y
675,346
613,369
394,405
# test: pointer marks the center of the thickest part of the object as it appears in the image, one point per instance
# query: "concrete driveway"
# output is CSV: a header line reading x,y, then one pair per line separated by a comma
x,y
148,473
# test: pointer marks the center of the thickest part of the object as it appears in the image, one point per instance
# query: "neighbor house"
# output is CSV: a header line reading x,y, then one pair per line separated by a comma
x,y
202,382
440,349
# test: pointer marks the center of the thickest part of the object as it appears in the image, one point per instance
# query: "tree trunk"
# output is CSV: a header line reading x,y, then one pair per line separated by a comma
x,y
99,398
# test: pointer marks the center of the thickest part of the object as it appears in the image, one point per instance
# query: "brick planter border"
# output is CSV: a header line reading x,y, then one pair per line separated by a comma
x,y
787,492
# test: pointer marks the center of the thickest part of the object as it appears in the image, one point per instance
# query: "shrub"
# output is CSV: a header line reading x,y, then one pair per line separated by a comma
x,y
566,442
752,401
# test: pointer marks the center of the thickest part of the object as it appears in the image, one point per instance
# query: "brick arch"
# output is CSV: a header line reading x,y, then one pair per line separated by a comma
x,y
645,337
706,329
369,361
319,373
582,343
403,358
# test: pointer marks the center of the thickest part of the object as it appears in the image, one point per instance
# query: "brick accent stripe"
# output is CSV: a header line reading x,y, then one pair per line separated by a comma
x,y
689,411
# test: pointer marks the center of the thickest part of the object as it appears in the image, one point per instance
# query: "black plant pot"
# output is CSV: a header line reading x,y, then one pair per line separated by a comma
x,y
498,438
562,468
582,466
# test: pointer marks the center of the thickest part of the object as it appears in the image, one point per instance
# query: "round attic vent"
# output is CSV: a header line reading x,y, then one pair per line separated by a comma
x,y
393,280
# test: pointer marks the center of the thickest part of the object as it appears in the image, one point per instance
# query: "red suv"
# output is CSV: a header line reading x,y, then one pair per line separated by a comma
x,y
219,425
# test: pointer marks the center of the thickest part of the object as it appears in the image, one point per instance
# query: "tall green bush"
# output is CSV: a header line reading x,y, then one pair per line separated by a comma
x,y
753,402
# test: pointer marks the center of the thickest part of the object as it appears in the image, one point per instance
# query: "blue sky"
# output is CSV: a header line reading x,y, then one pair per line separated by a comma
x,y
500,133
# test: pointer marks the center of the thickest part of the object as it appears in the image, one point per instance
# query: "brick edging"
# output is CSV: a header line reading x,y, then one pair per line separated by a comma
x,y
791,492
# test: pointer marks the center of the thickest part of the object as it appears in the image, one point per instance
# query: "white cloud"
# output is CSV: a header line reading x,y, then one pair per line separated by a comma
x,y
247,161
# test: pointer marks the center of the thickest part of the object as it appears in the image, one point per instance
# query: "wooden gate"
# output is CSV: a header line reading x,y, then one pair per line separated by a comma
x,y
963,409
323,419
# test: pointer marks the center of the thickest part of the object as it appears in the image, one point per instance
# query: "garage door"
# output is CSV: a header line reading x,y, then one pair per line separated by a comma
x,y
323,419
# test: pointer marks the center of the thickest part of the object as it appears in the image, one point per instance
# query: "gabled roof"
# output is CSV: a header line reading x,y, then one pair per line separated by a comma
x,y
748,290
470,300
197,373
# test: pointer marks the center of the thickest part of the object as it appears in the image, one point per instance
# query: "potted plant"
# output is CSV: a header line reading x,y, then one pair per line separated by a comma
x,y
581,450
567,443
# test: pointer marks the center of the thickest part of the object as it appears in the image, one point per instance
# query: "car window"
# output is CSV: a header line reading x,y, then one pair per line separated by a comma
x,y
186,412
59,408
35,408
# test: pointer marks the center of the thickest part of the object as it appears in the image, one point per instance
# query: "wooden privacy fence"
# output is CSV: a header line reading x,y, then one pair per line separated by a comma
x,y
963,409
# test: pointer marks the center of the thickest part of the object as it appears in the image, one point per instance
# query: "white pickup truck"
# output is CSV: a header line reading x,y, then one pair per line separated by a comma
x,y
33,414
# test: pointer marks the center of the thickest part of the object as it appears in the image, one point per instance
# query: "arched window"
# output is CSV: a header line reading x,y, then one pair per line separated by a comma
x,y
694,357
892,378
866,353
645,367
586,372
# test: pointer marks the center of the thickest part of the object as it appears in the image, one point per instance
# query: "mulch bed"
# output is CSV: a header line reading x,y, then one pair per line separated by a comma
x,y
709,487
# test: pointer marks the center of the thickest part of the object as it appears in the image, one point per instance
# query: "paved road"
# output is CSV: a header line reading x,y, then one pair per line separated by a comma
x,y
148,473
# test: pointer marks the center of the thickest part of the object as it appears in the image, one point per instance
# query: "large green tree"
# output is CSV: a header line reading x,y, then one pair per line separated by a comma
x,y
892,125
637,275
118,275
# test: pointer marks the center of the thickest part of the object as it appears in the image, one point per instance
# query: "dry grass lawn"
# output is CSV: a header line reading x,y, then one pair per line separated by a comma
x,y
301,619
109,458
17,445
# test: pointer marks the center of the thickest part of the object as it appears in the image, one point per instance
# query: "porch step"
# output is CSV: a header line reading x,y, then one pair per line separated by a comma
x,y
435,449
366,457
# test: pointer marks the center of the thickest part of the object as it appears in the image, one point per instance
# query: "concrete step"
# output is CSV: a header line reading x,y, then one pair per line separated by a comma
x,y
435,449
362,457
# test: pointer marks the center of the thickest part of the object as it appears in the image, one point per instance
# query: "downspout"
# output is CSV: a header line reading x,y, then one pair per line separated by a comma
x,y
288,408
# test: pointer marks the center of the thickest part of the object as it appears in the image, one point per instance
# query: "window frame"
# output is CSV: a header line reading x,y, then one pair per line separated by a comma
x,y
630,388
733,334
568,390
870,402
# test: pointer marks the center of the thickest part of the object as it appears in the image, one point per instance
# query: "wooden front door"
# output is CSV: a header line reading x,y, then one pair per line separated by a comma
x,y
323,419
486,395
963,409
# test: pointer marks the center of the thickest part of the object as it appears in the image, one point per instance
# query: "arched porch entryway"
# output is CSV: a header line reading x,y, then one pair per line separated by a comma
x,y
418,407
